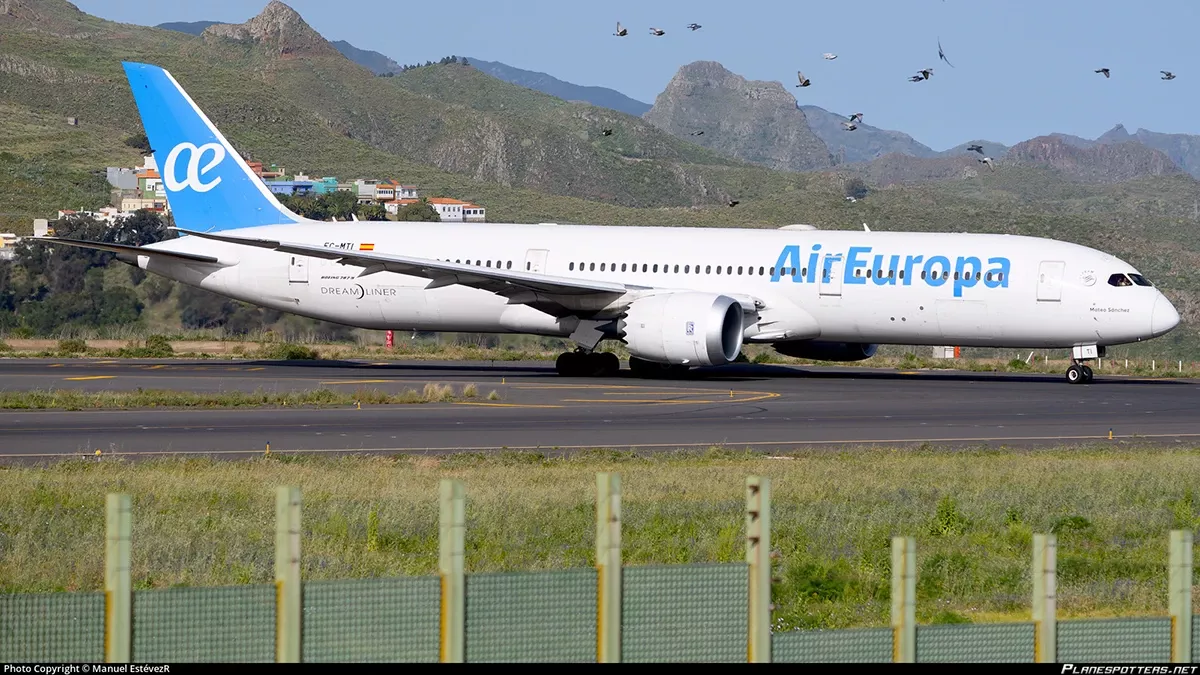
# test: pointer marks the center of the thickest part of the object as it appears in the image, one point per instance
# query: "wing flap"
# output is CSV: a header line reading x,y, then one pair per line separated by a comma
x,y
122,249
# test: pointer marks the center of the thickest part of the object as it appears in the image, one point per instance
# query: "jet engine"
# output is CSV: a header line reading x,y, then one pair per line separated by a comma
x,y
685,328
819,350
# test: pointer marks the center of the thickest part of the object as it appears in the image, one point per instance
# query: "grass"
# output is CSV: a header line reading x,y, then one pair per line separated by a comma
x,y
71,399
972,512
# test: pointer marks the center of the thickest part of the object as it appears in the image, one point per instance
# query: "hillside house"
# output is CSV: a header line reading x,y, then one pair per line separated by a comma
x,y
457,211
297,188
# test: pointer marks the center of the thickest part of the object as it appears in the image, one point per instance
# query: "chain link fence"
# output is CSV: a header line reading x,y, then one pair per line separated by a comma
x,y
685,613
531,617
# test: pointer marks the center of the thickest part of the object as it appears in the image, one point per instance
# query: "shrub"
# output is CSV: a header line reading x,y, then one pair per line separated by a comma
x,y
948,521
5,347
72,346
283,351
470,391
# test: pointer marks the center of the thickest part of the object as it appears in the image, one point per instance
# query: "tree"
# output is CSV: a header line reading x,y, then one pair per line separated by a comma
x,y
855,187
140,142
370,212
421,210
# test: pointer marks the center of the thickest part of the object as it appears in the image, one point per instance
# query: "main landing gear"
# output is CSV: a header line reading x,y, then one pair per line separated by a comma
x,y
587,364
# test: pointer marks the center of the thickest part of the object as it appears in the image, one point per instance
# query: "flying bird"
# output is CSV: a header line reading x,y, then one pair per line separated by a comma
x,y
975,148
926,72
942,54
621,31
694,26
856,116
1102,70
916,78
829,56
988,161
1167,75
657,31
803,80
733,202
606,132
850,126
698,133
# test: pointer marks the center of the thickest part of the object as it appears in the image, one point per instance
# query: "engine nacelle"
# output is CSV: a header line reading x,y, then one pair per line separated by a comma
x,y
819,350
687,328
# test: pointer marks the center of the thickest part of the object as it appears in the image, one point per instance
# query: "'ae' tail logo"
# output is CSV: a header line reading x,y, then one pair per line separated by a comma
x,y
195,174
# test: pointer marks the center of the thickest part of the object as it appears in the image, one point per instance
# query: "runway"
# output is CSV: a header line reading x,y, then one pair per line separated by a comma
x,y
767,408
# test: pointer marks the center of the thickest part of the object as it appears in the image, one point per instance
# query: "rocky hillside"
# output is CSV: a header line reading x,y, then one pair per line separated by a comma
x,y
189,27
753,121
597,96
1101,163
864,143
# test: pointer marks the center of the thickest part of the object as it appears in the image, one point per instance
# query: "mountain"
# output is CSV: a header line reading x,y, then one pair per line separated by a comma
x,y
757,122
597,96
1103,163
189,27
376,62
864,143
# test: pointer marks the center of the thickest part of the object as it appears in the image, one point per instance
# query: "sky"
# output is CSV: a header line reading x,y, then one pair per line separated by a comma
x,y
1021,68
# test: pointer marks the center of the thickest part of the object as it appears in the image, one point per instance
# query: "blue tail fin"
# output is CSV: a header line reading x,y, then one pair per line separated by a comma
x,y
209,186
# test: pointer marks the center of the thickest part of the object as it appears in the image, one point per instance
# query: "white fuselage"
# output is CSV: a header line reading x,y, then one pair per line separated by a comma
x,y
1002,290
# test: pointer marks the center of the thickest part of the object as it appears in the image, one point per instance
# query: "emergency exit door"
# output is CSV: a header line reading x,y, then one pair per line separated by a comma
x,y
831,276
1050,276
298,270
535,260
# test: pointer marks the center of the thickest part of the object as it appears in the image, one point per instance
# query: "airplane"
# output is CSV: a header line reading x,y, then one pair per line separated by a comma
x,y
677,297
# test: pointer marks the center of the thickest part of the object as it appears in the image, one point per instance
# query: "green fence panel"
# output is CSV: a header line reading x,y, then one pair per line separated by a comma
x,y
1115,640
685,613
1196,638
230,624
975,643
52,628
854,645
372,620
532,617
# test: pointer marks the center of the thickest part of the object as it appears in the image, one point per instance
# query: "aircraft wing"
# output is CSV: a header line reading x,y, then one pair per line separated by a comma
x,y
519,286
122,249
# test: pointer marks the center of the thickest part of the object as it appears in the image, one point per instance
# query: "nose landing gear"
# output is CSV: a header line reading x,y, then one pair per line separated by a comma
x,y
1078,373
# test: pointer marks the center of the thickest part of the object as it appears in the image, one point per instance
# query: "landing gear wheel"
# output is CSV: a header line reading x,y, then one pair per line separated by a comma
x,y
1087,374
610,365
1075,374
570,364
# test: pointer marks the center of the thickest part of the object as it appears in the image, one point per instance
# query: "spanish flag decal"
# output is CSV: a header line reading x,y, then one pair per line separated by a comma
x,y
366,247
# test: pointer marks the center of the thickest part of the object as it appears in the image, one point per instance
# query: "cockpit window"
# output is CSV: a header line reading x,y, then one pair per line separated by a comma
x,y
1140,280
1119,280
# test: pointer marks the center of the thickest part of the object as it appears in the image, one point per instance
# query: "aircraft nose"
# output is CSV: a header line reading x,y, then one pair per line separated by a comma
x,y
1163,317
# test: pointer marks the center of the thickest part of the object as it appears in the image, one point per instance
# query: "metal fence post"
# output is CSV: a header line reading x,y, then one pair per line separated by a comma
x,y
904,599
608,568
1180,601
451,567
287,575
118,585
758,557
1045,603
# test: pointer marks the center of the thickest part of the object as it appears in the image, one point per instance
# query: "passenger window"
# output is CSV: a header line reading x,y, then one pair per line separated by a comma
x,y
977,274
729,269
686,268
458,262
718,269
739,269
622,267
508,265
891,274
901,274
655,269
645,267
571,267
708,269
1000,276
772,270
760,271
677,269
922,274
1119,280
489,263
869,274
803,271
591,267
1140,280
989,276
477,263
601,267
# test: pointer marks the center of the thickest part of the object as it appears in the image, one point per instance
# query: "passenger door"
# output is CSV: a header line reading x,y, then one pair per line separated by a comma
x,y
535,260
1050,276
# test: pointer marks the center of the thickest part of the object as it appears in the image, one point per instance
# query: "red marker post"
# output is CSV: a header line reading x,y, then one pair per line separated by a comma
x,y
390,340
